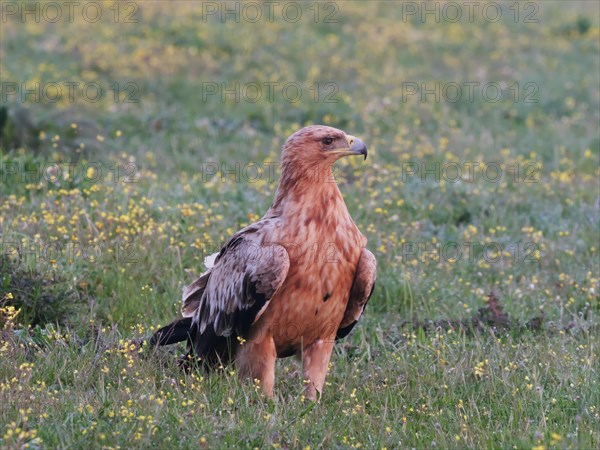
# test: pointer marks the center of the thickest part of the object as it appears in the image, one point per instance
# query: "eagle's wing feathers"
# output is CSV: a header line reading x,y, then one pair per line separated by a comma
x,y
192,295
360,293
241,284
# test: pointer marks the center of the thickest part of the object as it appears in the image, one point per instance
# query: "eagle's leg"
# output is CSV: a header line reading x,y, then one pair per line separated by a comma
x,y
315,361
255,359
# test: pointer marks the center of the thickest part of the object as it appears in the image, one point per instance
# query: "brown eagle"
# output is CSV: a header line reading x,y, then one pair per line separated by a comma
x,y
290,284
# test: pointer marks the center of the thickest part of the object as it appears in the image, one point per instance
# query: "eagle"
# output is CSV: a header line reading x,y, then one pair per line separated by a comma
x,y
290,284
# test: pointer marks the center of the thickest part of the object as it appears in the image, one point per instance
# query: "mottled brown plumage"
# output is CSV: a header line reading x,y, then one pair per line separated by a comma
x,y
289,284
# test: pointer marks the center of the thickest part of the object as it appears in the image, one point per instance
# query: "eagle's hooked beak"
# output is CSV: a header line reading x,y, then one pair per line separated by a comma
x,y
357,147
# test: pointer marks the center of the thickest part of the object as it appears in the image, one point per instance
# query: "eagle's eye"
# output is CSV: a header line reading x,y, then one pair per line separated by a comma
x,y
327,141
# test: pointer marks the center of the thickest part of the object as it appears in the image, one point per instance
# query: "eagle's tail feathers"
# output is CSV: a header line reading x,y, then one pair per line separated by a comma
x,y
180,330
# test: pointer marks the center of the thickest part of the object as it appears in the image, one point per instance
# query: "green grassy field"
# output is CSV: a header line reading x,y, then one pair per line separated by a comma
x,y
109,206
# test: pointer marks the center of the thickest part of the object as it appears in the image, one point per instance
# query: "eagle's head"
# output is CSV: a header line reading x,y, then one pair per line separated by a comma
x,y
319,145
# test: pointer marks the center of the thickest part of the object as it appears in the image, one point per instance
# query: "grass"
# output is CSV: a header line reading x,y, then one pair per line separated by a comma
x,y
96,258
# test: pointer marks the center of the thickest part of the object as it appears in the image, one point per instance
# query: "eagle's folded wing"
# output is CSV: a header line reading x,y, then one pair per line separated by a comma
x,y
239,287
192,295
362,288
